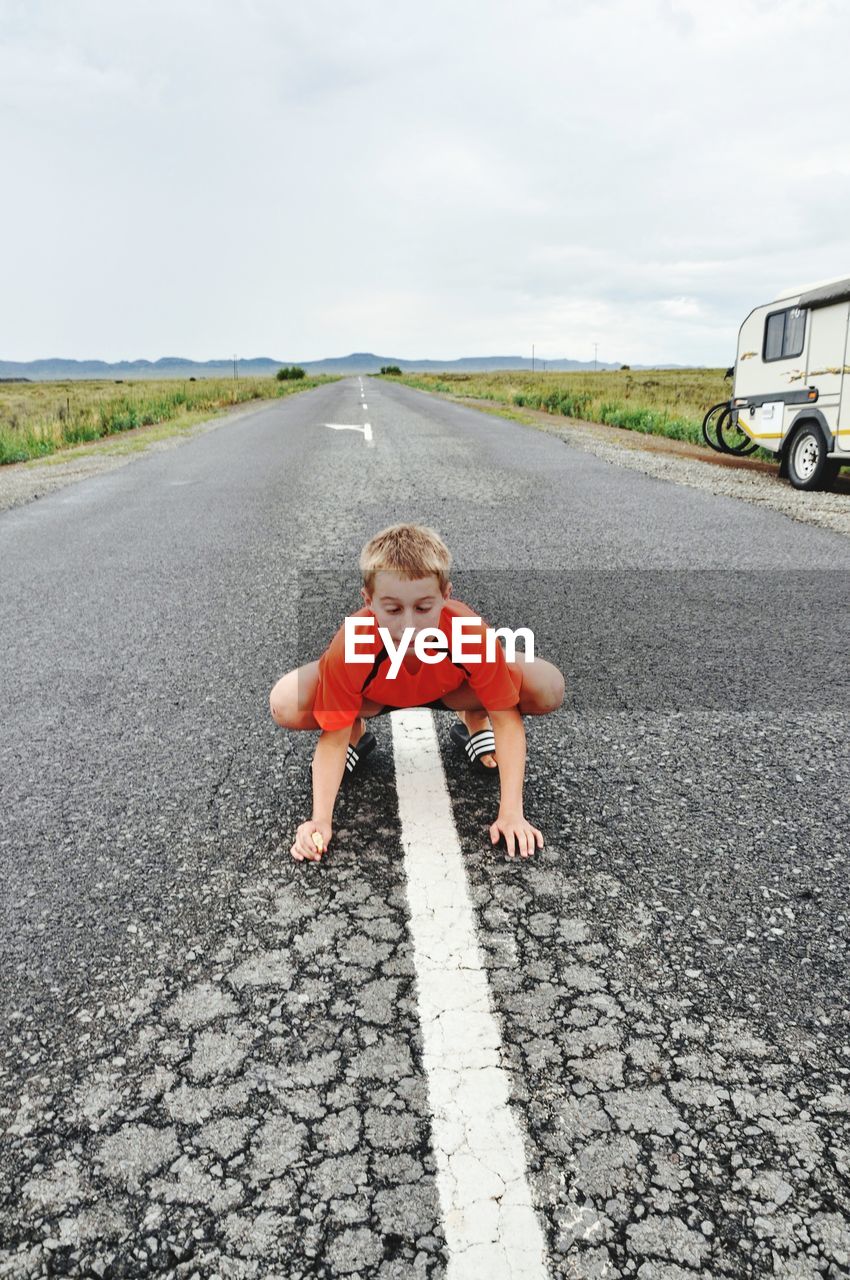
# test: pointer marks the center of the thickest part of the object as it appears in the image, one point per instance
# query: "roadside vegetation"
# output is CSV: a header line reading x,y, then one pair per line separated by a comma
x,y
41,418
664,402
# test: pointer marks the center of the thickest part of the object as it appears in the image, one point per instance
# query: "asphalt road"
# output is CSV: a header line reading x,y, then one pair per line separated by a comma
x,y
211,1055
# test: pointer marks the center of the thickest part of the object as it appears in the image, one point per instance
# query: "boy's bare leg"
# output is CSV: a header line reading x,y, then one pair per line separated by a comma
x,y
368,708
291,702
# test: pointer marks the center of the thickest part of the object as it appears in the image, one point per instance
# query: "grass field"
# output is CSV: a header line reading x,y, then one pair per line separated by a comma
x,y
40,418
666,402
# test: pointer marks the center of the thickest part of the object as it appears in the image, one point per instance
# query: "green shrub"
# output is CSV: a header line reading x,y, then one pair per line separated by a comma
x,y
81,431
289,372
11,450
391,369
122,415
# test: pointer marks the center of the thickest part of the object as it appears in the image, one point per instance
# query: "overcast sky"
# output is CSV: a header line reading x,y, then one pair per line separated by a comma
x,y
455,178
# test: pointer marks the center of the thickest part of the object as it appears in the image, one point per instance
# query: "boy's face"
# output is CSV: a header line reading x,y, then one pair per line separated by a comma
x,y
398,602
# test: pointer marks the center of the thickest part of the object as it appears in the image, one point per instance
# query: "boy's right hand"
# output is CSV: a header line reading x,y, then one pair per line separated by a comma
x,y
304,847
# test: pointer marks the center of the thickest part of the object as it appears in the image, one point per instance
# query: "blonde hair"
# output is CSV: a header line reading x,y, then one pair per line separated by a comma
x,y
410,550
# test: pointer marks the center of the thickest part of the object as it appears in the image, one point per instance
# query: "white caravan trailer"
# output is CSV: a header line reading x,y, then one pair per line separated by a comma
x,y
791,393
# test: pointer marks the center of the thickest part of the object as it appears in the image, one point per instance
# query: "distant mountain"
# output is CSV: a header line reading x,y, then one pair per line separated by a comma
x,y
366,362
60,370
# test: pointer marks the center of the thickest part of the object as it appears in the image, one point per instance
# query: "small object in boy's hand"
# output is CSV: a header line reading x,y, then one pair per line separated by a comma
x,y
318,841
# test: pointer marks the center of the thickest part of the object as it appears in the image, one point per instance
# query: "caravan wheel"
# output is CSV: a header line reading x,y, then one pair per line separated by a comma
x,y
807,461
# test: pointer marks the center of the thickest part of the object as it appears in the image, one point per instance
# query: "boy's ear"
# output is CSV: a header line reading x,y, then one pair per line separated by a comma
x,y
448,590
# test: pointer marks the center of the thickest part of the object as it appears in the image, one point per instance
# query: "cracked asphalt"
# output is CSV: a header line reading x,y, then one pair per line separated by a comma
x,y
211,1062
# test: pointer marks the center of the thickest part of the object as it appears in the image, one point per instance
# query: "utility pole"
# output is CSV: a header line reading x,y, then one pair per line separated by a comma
x,y
532,357
595,349
234,368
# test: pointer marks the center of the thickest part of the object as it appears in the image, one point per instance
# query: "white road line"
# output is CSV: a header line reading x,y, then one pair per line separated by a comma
x,y
353,426
365,405
489,1219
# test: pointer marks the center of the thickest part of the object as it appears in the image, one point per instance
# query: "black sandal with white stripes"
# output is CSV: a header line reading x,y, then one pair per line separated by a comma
x,y
354,755
475,745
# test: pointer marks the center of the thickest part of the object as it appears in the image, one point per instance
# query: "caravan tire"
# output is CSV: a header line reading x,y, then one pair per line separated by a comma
x,y
807,457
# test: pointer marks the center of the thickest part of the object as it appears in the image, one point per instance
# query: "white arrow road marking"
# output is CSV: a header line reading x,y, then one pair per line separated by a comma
x,y
352,426
489,1219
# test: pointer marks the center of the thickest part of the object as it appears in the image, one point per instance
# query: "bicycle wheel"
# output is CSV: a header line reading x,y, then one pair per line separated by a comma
x,y
731,436
709,426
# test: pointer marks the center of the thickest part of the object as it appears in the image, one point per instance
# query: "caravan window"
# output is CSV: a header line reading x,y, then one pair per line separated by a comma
x,y
784,333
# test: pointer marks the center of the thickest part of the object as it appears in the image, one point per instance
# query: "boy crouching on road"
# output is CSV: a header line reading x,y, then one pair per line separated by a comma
x,y
406,590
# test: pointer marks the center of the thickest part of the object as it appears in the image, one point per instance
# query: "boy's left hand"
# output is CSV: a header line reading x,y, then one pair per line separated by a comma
x,y
513,825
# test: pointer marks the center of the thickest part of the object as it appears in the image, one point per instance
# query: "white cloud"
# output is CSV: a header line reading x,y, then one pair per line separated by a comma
x,y
681,308
198,178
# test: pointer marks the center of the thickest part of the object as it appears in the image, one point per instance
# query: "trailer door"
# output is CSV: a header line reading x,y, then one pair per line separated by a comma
x,y
842,435
827,344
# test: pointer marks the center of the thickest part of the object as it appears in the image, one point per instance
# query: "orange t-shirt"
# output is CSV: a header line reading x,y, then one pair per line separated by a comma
x,y
343,686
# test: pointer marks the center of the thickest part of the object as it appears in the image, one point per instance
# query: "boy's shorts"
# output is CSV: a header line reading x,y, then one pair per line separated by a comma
x,y
437,705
